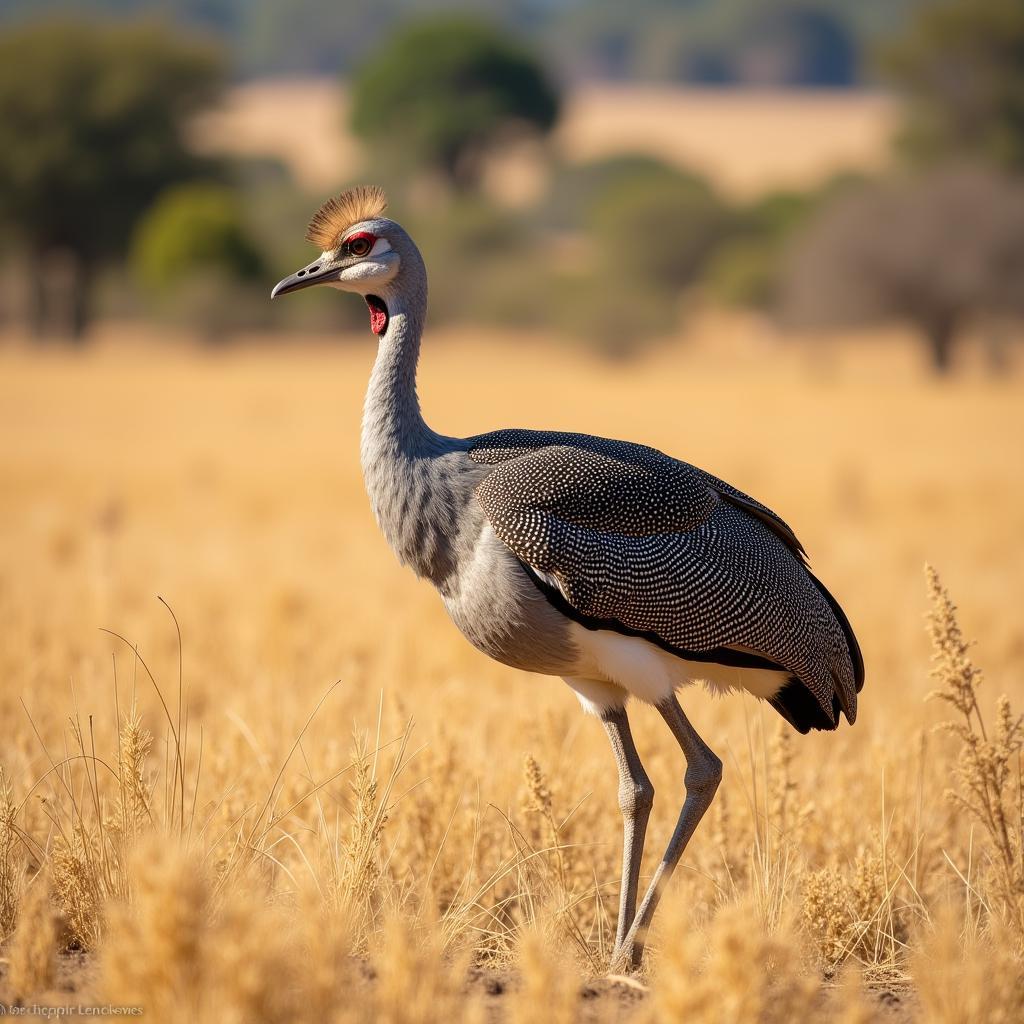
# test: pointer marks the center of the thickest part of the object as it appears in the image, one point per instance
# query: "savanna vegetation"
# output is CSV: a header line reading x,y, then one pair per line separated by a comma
x,y
100,218
92,127
249,772
791,43
442,92
318,803
109,218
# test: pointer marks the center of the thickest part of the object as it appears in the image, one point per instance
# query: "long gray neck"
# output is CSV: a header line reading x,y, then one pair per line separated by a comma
x,y
408,477
393,425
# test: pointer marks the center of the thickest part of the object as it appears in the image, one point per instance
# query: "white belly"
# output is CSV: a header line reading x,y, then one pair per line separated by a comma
x,y
613,667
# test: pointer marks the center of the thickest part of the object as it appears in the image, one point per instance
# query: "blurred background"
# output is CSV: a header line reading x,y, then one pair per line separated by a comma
x,y
782,240
608,173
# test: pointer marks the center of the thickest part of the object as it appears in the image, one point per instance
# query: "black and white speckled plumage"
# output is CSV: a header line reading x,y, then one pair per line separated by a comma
x,y
637,540
545,547
528,535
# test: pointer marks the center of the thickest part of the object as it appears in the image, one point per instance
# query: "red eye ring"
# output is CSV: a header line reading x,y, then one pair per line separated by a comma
x,y
360,244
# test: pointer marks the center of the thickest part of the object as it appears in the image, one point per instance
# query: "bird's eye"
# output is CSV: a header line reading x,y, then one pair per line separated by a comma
x,y
360,245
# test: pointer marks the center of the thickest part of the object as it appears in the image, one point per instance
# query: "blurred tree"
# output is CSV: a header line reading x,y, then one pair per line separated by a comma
x,y
715,42
469,242
658,227
796,45
193,252
192,229
691,40
941,253
650,230
92,121
747,268
575,188
961,67
441,92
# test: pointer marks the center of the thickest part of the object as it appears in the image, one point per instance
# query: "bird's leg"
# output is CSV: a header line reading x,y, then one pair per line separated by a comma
x,y
703,774
636,795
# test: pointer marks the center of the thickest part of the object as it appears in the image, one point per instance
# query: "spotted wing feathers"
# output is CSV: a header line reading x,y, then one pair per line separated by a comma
x,y
636,539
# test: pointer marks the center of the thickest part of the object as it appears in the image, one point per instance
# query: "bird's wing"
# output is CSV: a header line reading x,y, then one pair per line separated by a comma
x,y
631,539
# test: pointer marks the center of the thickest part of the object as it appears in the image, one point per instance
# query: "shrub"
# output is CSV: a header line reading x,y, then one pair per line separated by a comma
x,y
190,230
657,230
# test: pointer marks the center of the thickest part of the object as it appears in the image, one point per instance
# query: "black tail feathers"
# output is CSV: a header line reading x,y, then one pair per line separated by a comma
x,y
800,708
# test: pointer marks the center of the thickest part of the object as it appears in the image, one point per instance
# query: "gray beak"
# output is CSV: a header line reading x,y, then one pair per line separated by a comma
x,y
316,273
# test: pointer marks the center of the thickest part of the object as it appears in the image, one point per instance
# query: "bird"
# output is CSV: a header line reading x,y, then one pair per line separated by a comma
x,y
624,571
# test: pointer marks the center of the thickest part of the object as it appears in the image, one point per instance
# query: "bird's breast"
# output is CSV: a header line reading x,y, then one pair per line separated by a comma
x,y
501,612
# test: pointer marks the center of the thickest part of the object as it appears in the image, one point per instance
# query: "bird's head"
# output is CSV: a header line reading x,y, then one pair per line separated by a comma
x,y
361,251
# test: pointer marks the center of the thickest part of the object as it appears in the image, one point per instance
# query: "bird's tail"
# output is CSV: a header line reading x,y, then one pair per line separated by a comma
x,y
801,709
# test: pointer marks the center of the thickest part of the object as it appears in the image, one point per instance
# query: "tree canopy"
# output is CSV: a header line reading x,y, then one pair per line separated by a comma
x,y
441,92
939,252
961,68
92,121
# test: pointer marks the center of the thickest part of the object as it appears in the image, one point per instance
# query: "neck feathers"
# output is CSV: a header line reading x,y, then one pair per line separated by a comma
x,y
393,426
407,467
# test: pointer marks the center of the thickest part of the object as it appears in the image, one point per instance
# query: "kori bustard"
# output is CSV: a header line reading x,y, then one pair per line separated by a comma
x,y
620,569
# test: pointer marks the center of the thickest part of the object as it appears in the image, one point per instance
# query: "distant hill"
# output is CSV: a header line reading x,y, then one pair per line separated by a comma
x,y
746,141
793,43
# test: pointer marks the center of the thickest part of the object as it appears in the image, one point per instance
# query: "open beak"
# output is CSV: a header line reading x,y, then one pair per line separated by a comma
x,y
317,272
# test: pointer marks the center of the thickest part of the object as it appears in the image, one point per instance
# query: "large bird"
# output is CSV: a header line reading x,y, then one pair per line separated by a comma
x,y
622,570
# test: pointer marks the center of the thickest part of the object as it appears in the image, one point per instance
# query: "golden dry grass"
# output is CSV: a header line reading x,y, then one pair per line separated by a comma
x,y
360,867
746,141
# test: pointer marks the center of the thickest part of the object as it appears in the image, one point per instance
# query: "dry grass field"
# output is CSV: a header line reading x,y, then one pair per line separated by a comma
x,y
746,141
320,804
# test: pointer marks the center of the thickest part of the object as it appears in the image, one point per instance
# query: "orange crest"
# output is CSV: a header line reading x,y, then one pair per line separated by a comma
x,y
339,213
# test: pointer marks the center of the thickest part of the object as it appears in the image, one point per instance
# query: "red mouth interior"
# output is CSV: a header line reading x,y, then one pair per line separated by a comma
x,y
378,314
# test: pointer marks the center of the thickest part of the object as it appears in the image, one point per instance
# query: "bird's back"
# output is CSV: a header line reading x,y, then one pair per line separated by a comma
x,y
620,536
